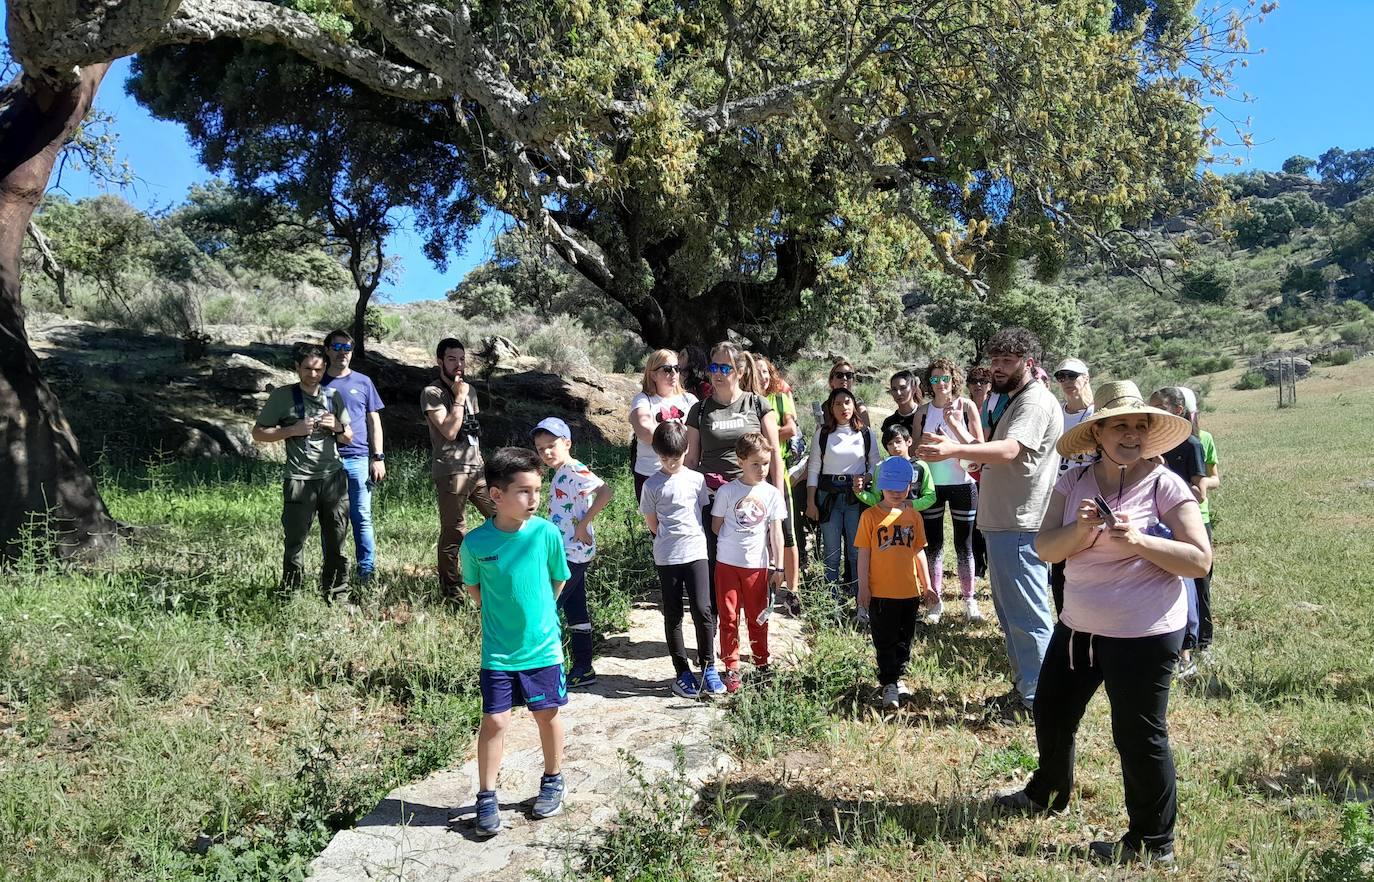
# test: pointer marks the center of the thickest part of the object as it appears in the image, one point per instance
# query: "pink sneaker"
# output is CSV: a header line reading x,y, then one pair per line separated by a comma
x,y
732,681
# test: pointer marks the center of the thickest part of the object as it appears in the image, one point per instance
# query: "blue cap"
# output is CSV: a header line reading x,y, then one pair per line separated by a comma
x,y
895,473
554,426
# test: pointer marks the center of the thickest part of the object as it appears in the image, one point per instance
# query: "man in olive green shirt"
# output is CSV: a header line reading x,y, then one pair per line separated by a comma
x,y
312,421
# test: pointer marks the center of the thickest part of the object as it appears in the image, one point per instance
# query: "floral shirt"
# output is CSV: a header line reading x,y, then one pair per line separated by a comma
x,y
570,496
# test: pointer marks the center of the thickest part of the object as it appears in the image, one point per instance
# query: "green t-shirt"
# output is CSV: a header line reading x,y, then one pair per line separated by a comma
x,y
1209,458
516,572
316,455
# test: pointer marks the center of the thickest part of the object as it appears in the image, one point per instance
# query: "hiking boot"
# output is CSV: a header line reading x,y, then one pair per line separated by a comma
x,y
488,814
903,690
890,699
549,802
685,686
1018,712
584,677
1020,803
1122,852
732,681
711,683
971,610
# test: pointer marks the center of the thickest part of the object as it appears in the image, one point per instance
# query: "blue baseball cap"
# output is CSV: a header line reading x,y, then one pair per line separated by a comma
x,y
895,473
554,426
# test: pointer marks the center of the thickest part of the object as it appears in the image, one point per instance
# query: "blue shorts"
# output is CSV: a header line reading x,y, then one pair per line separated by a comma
x,y
537,689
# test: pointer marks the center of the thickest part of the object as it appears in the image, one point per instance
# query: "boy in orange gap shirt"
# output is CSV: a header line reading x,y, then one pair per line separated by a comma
x,y
892,575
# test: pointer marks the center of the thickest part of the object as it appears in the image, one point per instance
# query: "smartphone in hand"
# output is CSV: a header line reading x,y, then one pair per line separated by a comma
x,y
1105,510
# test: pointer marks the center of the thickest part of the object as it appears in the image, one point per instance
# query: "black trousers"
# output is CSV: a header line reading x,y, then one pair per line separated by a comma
x,y
980,554
693,581
892,623
1137,672
1057,586
1204,603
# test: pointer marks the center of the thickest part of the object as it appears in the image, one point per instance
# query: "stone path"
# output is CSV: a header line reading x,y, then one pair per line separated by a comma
x,y
409,835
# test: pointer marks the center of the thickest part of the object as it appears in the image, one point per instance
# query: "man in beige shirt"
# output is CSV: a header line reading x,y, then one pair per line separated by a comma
x,y
450,410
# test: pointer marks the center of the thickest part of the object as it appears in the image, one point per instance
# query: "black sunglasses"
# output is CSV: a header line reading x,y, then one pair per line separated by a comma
x,y
669,369
1061,376
842,375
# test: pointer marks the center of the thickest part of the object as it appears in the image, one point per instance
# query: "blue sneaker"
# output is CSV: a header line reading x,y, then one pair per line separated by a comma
x,y
549,802
685,686
488,814
711,682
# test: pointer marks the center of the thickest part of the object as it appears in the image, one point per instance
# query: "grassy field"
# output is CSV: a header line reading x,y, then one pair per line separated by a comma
x,y
167,714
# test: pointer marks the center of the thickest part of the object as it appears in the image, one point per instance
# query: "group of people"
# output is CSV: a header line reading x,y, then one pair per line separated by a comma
x,y
1094,509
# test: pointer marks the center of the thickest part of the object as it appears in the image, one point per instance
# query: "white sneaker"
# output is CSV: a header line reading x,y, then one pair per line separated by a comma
x,y
903,690
972,611
934,613
890,699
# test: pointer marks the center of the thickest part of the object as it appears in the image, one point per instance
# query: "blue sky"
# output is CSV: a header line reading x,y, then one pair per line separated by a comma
x,y
1309,93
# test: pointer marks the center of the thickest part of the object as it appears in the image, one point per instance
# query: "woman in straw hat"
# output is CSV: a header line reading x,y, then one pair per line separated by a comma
x,y
1125,612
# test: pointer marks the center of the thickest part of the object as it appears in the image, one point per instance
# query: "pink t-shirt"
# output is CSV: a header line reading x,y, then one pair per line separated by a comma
x,y
1108,590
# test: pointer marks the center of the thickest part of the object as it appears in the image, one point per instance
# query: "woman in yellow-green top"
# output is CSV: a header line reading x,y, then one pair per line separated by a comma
x,y
770,383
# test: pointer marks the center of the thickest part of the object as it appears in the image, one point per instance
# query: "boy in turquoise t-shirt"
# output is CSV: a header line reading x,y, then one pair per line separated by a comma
x,y
514,567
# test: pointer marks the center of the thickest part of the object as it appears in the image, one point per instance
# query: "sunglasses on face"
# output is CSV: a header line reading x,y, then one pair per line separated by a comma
x,y
842,375
940,378
724,370
341,347
669,369
979,382
1066,376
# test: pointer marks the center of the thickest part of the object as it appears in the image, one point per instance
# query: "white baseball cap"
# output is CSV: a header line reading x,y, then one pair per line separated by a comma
x,y
1072,365
1189,399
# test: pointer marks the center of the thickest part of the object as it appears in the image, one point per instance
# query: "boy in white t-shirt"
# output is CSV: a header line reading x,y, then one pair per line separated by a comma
x,y
747,519
576,496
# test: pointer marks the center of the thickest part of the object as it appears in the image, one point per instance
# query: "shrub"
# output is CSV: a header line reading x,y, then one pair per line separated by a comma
x,y
1251,380
1206,284
1341,356
1356,332
1353,859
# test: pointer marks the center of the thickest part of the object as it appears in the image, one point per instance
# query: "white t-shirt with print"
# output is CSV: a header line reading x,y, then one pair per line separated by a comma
x,y
748,511
662,409
570,495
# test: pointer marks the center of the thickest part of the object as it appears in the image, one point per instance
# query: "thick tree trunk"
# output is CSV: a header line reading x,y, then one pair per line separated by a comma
x,y
43,482
359,330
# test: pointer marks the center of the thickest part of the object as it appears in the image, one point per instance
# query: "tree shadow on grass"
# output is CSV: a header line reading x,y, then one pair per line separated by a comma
x,y
801,817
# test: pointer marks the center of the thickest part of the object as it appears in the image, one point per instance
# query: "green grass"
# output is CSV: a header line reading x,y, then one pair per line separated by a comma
x,y
168,714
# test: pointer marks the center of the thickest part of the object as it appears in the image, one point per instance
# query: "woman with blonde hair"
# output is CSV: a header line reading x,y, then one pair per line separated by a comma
x,y
662,400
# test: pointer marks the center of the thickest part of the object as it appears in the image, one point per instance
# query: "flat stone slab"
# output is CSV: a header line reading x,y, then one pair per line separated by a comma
x,y
423,832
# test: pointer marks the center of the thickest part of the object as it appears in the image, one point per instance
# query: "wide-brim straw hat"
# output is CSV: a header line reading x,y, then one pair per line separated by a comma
x,y
1121,398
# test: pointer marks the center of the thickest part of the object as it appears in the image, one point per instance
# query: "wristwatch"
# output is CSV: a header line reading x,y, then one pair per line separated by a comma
x,y
379,457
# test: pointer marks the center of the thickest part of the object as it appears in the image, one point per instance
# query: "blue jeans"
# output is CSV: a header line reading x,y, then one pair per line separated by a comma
x,y
837,538
1021,598
360,514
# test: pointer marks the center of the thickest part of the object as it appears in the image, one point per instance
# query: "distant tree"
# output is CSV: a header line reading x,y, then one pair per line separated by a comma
x,y
1298,165
1265,222
1348,175
1206,284
1050,311
243,227
1353,241
103,239
1306,211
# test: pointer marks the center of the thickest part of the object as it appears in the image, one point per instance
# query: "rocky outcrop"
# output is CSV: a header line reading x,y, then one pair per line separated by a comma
x,y
240,373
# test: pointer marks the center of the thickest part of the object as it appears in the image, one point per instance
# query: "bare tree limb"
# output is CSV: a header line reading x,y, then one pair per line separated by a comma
x,y
51,268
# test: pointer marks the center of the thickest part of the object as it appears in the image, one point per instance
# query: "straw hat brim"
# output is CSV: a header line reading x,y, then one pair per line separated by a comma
x,y
1167,431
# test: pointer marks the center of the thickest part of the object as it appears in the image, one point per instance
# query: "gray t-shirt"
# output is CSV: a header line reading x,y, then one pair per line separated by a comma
x,y
315,455
677,501
1014,495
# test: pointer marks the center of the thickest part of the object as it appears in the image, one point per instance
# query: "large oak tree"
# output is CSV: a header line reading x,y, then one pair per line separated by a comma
x,y
728,165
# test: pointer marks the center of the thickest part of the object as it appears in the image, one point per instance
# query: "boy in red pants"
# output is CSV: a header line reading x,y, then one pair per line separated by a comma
x,y
747,517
